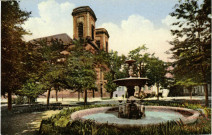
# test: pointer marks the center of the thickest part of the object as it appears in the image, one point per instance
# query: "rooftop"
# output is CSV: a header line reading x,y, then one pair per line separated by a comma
x,y
84,9
62,37
102,31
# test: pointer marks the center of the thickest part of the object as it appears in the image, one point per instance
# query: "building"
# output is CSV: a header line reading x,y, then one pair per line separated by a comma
x,y
197,91
147,90
84,27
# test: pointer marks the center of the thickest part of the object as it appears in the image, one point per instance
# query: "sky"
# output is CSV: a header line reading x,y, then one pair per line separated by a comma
x,y
130,23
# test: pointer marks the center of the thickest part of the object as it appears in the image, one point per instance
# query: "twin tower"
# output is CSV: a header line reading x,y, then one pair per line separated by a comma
x,y
84,27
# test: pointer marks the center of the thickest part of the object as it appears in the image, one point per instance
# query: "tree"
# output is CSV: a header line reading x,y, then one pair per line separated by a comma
x,y
52,71
34,67
80,69
110,86
31,89
188,84
192,43
54,78
12,48
141,61
115,64
156,71
101,63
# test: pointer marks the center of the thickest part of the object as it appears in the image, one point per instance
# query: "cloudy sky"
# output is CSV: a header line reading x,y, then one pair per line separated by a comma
x,y
130,23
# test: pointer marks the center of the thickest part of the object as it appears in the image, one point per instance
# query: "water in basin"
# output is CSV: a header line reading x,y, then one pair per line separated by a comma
x,y
152,117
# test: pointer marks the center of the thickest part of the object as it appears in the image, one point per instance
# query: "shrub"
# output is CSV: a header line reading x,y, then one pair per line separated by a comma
x,y
20,100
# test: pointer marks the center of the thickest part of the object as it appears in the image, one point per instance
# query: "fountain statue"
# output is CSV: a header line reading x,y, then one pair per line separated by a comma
x,y
132,108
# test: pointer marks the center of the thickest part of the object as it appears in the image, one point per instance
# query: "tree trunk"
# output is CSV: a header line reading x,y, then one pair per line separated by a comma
x,y
190,92
101,91
206,94
78,95
48,96
56,95
191,95
111,95
85,96
9,103
157,92
93,93
29,100
82,94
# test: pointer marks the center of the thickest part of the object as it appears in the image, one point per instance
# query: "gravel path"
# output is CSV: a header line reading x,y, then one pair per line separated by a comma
x,y
24,124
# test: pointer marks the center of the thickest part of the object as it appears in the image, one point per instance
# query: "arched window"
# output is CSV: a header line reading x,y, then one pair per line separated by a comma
x,y
98,43
80,30
92,32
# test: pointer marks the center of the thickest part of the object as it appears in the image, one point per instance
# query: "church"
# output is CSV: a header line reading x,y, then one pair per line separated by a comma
x,y
84,26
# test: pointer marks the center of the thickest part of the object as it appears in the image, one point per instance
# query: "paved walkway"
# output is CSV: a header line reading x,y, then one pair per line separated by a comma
x,y
74,100
114,100
25,123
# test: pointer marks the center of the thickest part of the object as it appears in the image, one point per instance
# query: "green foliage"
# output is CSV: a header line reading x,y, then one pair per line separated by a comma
x,y
109,86
115,63
12,48
187,83
139,54
20,100
192,41
147,65
157,70
31,89
44,70
80,68
13,73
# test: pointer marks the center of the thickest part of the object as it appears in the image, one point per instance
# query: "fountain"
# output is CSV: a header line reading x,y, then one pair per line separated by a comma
x,y
133,107
132,112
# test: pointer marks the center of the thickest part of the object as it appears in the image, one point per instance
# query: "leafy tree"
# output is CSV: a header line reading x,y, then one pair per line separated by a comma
x,y
115,64
156,72
142,58
188,84
101,63
192,43
110,86
80,73
147,65
34,67
31,89
52,71
54,78
12,48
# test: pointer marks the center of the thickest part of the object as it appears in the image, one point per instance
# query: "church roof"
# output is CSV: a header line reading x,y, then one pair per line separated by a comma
x,y
62,37
102,31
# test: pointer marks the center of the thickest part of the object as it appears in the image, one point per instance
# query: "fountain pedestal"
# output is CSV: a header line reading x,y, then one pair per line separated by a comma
x,y
130,91
131,109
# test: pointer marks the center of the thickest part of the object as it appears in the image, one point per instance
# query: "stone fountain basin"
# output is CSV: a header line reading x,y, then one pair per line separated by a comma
x,y
131,81
187,115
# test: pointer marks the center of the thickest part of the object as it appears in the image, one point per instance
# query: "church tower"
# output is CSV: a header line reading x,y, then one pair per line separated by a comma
x,y
84,23
102,38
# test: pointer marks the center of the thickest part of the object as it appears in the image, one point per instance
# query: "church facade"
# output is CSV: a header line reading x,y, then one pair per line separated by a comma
x,y
84,27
